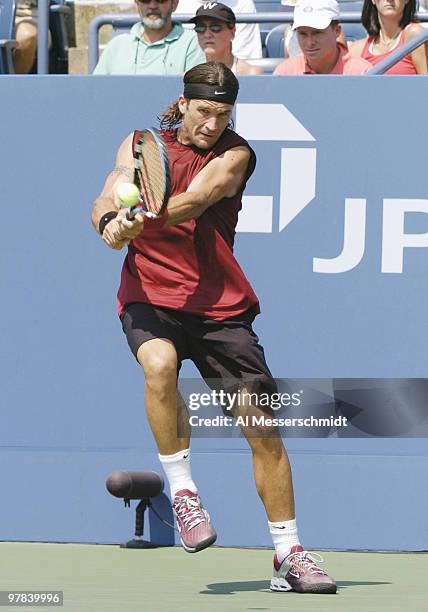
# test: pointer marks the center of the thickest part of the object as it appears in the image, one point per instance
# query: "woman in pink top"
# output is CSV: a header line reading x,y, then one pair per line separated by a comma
x,y
390,24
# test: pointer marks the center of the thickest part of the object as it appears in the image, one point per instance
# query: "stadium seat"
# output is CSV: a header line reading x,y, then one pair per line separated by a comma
x,y
351,6
352,31
268,64
7,43
275,41
58,56
269,6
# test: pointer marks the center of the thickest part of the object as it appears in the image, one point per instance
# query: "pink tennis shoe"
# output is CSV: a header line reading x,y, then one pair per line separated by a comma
x,y
299,572
194,525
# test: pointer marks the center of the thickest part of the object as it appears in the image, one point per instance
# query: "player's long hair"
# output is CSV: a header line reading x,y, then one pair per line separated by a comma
x,y
210,73
370,19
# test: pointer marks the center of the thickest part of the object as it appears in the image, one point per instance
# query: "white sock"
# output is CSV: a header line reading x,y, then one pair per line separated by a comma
x,y
177,470
284,536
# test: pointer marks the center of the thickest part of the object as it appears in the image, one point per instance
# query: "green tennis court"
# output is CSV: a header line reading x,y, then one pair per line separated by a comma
x,y
98,578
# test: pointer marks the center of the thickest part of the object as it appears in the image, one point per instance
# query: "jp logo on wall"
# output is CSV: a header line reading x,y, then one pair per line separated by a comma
x,y
297,189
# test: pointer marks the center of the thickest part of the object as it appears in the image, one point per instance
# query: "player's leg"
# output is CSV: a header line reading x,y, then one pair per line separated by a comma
x,y
156,340
272,475
230,350
158,358
294,568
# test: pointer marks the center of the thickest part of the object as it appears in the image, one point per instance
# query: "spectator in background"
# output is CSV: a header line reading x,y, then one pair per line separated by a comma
x,y
390,24
156,45
247,43
317,25
25,35
291,44
215,27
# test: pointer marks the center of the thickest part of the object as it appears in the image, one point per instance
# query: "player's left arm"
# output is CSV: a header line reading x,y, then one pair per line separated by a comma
x,y
119,231
221,178
420,54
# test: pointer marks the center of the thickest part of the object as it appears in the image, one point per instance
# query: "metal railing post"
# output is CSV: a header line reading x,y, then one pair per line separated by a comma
x,y
43,37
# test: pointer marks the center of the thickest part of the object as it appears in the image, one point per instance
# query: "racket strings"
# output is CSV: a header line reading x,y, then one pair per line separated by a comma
x,y
150,167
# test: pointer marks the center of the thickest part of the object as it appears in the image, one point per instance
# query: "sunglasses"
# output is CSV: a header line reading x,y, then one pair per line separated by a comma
x,y
200,28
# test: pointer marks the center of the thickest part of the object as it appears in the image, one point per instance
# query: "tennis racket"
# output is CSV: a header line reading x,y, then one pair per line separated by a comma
x,y
152,175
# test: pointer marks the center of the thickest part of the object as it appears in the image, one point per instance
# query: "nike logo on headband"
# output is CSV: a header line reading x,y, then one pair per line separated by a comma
x,y
219,93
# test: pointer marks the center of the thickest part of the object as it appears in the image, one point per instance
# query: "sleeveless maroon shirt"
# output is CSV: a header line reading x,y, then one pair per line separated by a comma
x,y
190,267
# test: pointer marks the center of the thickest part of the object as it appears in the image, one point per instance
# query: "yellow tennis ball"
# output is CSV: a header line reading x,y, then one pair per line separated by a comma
x,y
128,194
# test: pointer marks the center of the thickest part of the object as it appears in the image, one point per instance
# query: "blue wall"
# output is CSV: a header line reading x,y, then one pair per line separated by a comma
x,y
72,405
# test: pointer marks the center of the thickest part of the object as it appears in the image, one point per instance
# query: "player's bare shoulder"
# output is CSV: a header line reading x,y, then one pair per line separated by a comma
x,y
232,167
239,152
236,160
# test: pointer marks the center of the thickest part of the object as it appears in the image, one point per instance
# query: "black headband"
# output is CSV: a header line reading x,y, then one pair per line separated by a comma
x,y
202,91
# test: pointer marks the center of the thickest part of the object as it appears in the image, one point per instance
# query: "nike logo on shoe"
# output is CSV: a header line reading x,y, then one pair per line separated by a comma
x,y
294,574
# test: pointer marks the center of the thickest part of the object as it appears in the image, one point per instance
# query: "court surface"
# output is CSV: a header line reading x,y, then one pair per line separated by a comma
x,y
98,578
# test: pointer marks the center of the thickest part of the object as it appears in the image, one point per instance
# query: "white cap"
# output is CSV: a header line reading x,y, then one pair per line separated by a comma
x,y
316,14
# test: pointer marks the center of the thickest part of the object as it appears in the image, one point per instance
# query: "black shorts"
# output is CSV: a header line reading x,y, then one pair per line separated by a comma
x,y
223,351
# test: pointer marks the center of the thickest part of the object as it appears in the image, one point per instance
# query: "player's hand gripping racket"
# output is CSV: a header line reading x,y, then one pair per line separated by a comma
x,y
151,193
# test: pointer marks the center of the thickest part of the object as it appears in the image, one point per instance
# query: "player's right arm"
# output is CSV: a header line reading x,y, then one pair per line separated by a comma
x,y
221,178
115,235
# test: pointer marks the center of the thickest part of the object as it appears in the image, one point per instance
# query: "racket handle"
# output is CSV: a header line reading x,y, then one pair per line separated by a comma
x,y
134,210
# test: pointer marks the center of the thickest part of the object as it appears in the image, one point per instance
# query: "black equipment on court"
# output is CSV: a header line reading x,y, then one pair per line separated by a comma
x,y
141,486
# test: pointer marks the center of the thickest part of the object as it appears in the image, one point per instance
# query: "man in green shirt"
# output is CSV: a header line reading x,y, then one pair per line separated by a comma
x,y
156,45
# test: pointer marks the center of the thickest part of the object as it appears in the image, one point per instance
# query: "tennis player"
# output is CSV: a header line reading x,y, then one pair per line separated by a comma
x,y
183,296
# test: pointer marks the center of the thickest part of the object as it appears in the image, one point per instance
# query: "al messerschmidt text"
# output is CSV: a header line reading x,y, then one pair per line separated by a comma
x,y
257,421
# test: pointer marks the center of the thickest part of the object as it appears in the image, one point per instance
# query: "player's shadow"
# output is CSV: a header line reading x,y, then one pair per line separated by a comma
x,y
230,588
344,584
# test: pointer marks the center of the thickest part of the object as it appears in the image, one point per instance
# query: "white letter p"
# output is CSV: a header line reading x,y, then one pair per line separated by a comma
x,y
394,239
